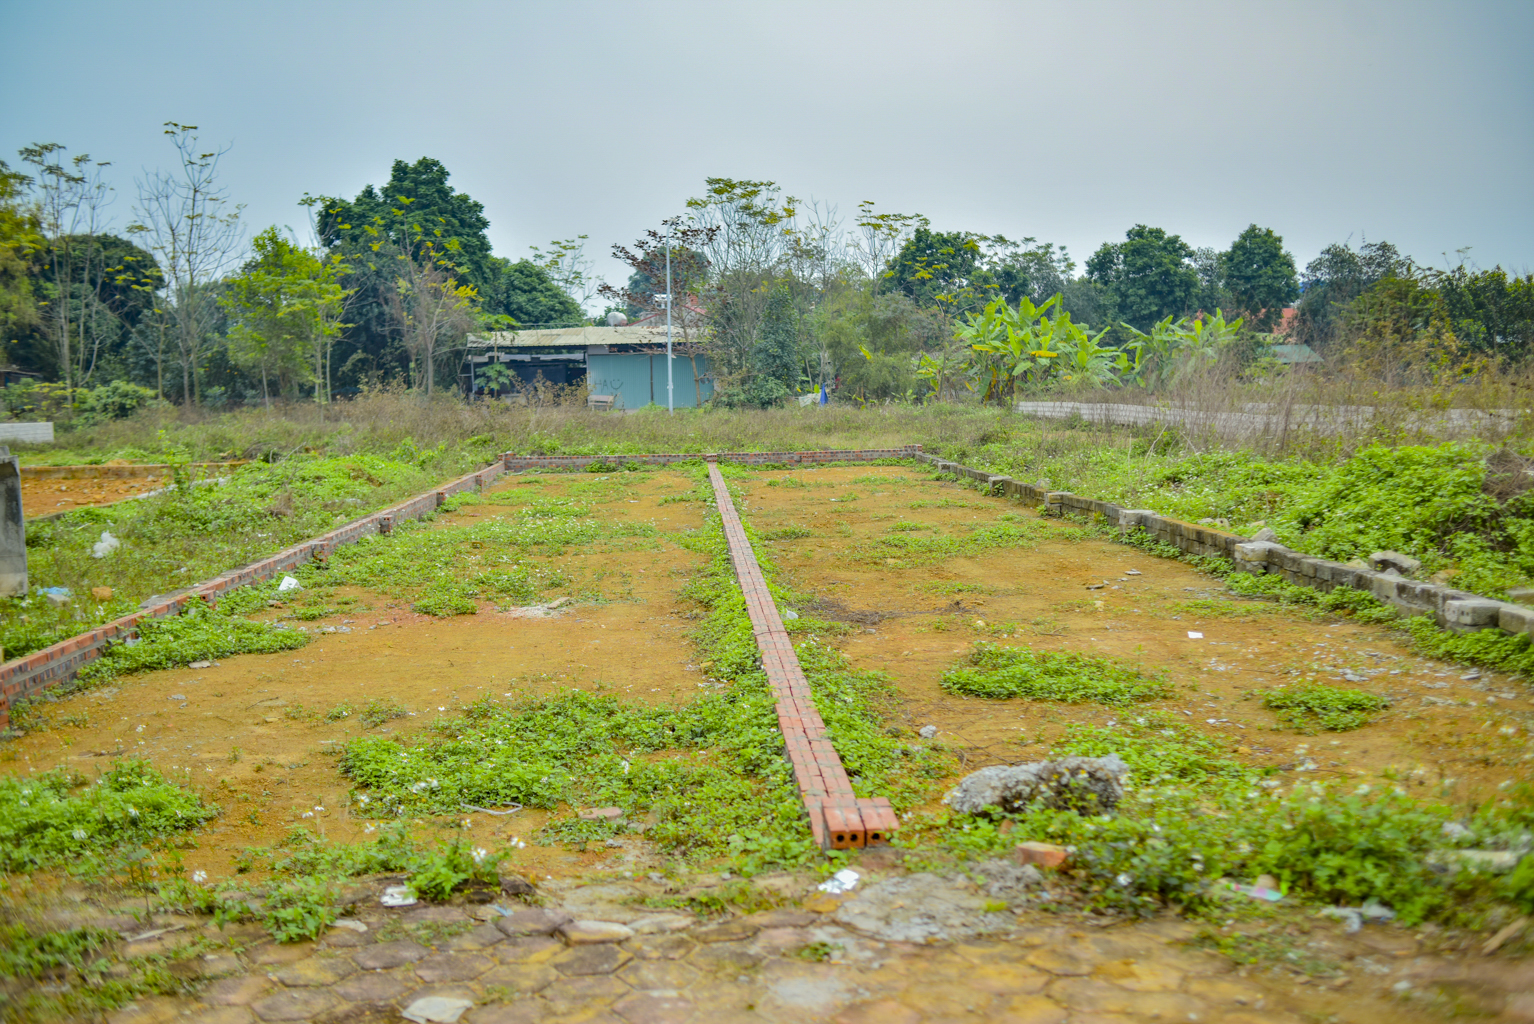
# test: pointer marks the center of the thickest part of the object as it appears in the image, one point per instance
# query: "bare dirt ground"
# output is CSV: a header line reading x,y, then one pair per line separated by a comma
x,y
1445,734
45,497
260,736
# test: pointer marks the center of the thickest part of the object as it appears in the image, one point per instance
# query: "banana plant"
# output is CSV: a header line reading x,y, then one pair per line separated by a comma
x,y
1171,350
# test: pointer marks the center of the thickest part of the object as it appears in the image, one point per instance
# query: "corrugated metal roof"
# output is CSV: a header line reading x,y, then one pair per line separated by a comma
x,y
569,337
1295,354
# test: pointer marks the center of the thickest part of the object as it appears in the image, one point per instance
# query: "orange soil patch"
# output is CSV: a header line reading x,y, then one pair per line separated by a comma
x,y
44,497
251,733
915,623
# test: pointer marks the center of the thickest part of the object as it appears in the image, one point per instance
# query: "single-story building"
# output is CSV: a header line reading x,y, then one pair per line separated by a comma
x,y
627,363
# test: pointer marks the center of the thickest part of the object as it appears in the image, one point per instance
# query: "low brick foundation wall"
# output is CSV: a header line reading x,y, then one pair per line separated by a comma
x,y
514,462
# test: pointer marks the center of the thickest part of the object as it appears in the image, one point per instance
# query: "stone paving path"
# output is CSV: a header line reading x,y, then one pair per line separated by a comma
x,y
592,955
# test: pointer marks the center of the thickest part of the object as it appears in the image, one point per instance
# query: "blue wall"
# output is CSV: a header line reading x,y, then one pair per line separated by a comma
x,y
628,375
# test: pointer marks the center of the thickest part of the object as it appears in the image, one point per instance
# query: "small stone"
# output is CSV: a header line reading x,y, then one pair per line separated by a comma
x,y
730,931
660,924
532,921
372,987
730,957
653,975
601,814
516,885
583,933
479,937
1033,1009
315,972
436,1010
883,1011
295,1004
660,947
442,967
387,955
1044,855
653,1008
522,978
926,732
601,958
1060,962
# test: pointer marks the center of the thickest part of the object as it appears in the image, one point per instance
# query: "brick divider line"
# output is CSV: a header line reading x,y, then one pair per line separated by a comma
x,y
62,661
838,819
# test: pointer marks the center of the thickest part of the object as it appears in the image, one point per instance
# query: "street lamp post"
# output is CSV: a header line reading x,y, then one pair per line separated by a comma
x,y
670,406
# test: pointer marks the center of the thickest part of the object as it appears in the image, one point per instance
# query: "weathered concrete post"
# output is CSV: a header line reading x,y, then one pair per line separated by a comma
x,y
13,528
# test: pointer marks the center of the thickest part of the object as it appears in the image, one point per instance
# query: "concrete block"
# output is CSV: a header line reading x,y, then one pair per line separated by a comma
x,y
1255,551
1515,618
13,527
1474,613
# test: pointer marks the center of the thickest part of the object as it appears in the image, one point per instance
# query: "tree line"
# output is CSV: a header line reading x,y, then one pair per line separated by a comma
x,y
778,296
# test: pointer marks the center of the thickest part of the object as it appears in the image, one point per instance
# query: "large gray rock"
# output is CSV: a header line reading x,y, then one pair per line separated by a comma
x,y
1087,784
1265,534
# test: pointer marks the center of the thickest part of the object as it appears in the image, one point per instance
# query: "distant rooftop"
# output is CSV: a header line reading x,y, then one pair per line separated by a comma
x,y
571,337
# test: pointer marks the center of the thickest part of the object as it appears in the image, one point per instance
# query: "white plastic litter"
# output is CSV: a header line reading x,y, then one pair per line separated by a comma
x,y
288,583
1195,636
349,924
844,880
436,1010
105,546
398,896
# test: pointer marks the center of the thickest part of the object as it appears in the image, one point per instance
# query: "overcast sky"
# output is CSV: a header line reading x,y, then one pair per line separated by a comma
x,y
1070,122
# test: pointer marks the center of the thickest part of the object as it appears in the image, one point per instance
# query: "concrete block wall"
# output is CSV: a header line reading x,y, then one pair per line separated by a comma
x,y
26,677
1453,609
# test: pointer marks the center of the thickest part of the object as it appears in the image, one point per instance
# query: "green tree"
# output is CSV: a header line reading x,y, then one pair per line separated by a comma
x,y
939,268
415,208
524,291
1149,275
21,243
1333,280
1260,276
1491,313
285,308
775,361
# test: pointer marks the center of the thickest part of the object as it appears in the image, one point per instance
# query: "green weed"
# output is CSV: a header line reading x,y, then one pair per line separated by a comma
x,y
1310,706
55,816
786,533
1003,672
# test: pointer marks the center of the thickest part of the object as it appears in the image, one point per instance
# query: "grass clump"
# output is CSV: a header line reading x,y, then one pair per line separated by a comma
x,y
447,570
1508,652
56,816
200,633
1157,750
999,673
907,550
1310,706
